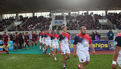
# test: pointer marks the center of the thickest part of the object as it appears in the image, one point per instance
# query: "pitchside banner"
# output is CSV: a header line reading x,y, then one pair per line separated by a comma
x,y
98,45
10,45
101,45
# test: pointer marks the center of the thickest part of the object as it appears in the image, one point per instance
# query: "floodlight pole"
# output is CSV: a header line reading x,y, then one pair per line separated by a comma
x,y
52,22
64,19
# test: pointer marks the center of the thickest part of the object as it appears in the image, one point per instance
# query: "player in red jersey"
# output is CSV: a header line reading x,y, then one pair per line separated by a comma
x,y
5,40
26,40
55,44
33,38
36,38
17,45
64,42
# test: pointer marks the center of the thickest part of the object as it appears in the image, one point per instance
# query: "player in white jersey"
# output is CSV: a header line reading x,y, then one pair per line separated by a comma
x,y
40,39
55,44
81,43
117,54
48,41
43,39
64,42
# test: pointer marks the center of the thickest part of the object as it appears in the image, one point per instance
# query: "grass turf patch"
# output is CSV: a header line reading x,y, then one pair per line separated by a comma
x,y
27,61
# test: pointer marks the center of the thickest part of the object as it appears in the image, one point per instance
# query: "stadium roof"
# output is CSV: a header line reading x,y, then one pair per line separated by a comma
x,y
17,6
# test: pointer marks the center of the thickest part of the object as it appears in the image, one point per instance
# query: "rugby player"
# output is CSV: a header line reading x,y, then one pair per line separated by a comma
x,y
55,44
64,42
81,43
40,40
5,40
117,53
48,41
26,40
17,40
33,38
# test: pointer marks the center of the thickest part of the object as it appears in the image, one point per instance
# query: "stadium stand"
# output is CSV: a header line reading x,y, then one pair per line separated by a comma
x,y
115,19
91,21
36,23
6,22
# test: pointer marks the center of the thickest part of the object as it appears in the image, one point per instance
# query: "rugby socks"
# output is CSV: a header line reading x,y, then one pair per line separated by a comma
x,y
49,54
64,66
7,52
79,66
55,58
43,49
40,48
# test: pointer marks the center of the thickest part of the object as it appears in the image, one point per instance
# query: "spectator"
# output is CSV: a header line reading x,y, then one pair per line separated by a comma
x,y
93,36
110,35
1,37
11,36
97,36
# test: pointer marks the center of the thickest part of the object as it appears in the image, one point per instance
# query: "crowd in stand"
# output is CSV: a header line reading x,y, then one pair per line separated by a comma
x,y
5,23
115,19
91,22
82,20
36,23
59,17
73,22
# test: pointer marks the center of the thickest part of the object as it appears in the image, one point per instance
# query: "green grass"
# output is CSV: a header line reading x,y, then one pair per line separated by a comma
x,y
24,61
